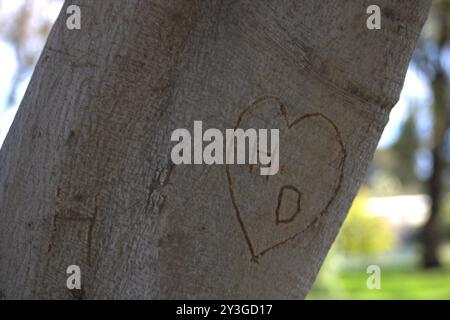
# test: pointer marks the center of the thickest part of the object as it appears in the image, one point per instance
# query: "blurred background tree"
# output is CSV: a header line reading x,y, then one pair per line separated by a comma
x,y
410,173
432,61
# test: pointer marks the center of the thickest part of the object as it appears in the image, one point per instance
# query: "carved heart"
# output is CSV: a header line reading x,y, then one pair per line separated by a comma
x,y
272,210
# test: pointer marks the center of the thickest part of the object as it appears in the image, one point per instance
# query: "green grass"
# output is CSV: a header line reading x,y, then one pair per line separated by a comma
x,y
396,283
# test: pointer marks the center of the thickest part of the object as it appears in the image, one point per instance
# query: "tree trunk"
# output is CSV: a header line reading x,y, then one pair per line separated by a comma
x,y
431,230
86,176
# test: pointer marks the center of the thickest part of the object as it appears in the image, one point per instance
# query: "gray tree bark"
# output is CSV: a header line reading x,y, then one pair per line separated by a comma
x,y
85,172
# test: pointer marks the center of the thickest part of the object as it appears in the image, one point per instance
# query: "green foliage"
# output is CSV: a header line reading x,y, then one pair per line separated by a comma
x,y
404,150
328,282
396,283
363,233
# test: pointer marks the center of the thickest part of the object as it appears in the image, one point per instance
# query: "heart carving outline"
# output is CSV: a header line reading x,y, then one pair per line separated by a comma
x,y
343,155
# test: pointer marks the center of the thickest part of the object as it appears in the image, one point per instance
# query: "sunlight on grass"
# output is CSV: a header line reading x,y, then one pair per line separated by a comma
x,y
396,283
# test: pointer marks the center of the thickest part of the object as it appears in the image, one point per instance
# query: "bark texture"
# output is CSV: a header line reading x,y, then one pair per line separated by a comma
x,y
86,176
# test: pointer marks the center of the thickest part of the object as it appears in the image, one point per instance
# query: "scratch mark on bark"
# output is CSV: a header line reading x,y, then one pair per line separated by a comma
x,y
73,216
